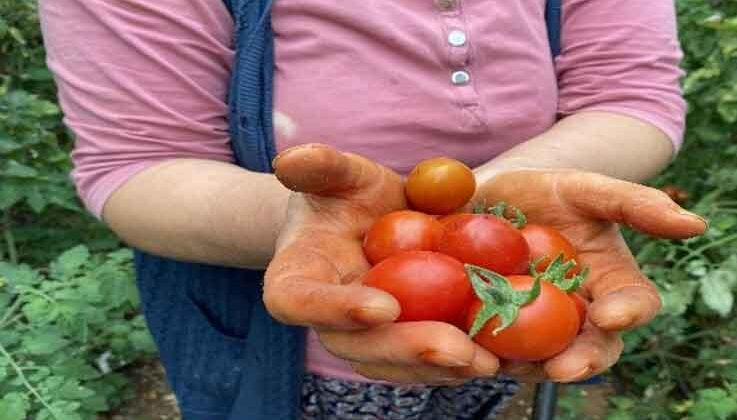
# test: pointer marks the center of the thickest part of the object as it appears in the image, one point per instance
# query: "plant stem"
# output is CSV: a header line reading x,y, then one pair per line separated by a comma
x,y
41,294
719,362
22,377
11,321
9,238
10,311
700,250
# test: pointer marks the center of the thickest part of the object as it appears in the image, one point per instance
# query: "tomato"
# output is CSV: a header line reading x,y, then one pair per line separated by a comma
x,y
428,285
581,304
676,194
547,242
543,328
440,186
486,241
399,231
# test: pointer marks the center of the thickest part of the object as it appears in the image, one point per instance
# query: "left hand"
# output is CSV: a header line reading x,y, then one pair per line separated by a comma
x,y
587,208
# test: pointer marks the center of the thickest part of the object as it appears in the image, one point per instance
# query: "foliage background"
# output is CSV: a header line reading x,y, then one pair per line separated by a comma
x,y
68,304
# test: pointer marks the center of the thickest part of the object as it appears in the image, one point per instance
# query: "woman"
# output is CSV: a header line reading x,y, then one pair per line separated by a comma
x,y
165,96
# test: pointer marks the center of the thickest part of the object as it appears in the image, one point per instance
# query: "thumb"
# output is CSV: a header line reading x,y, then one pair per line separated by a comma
x,y
322,170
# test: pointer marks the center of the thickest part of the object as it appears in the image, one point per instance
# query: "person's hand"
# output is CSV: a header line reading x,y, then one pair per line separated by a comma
x,y
587,208
314,278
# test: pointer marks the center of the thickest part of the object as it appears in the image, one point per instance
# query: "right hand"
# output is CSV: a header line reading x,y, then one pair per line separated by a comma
x,y
314,278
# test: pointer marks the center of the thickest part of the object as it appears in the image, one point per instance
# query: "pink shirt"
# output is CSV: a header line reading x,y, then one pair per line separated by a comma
x,y
141,82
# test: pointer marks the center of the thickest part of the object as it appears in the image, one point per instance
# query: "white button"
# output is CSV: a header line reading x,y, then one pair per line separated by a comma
x,y
457,38
460,77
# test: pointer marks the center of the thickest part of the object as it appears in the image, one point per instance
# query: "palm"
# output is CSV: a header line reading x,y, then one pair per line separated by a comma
x,y
587,209
341,195
310,281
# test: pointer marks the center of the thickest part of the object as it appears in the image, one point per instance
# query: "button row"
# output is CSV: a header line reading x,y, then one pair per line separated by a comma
x,y
456,38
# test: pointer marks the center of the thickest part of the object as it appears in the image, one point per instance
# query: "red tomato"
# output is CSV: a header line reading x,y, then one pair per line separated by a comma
x,y
547,242
544,327
440,186
580,306
428,285
400,231
486,241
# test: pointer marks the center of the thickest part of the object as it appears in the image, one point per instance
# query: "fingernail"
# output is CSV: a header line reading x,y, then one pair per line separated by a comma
x,y
376,308
694,215
485,363
372,315
443,359
583,373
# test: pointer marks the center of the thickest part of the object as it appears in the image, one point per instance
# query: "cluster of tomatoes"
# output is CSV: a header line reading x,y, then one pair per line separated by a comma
x,y
509,284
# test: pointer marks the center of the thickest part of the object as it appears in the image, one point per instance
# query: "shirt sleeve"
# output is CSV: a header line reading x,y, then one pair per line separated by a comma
x,y
623,56
139,82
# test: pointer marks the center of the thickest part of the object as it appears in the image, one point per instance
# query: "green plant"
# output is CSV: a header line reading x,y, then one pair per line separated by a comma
x,y
64,329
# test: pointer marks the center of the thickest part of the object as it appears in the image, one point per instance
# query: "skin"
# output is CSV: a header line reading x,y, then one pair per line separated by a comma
x,y
314,235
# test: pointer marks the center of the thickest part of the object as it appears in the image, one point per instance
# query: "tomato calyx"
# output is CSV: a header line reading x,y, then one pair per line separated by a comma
x,y
501,210
498,298
556,273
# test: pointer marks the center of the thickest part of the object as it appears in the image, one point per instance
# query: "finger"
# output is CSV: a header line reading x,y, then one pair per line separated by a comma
x,y
648,210
524,371
302,286
412,344
622,298
592,352
626,307
321,170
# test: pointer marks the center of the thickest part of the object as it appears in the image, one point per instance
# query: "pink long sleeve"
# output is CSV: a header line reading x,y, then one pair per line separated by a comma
x,y
139,82
622,56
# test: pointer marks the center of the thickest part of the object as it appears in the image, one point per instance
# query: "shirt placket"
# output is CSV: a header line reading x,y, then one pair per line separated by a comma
x,y
461,77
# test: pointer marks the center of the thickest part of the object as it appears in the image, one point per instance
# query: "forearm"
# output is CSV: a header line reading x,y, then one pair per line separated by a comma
x,y
201,211
605,143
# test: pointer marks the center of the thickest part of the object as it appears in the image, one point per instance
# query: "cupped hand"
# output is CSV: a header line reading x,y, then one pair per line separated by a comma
x,y
588,209
314,277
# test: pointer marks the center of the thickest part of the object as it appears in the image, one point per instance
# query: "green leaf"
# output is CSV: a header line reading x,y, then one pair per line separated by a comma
x,y
69,263
36,199
713,404
44,341
716,293
75,368
10,194
142,341
13,406
19,275
5,299
727,108
16,169
61,410
73,390
16,34
39,311
7,146
40,74
677,297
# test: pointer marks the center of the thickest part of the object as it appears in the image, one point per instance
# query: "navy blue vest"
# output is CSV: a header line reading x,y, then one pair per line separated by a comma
x,y
225,357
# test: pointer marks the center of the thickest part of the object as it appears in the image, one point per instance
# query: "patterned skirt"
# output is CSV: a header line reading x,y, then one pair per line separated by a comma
x,y
334,399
